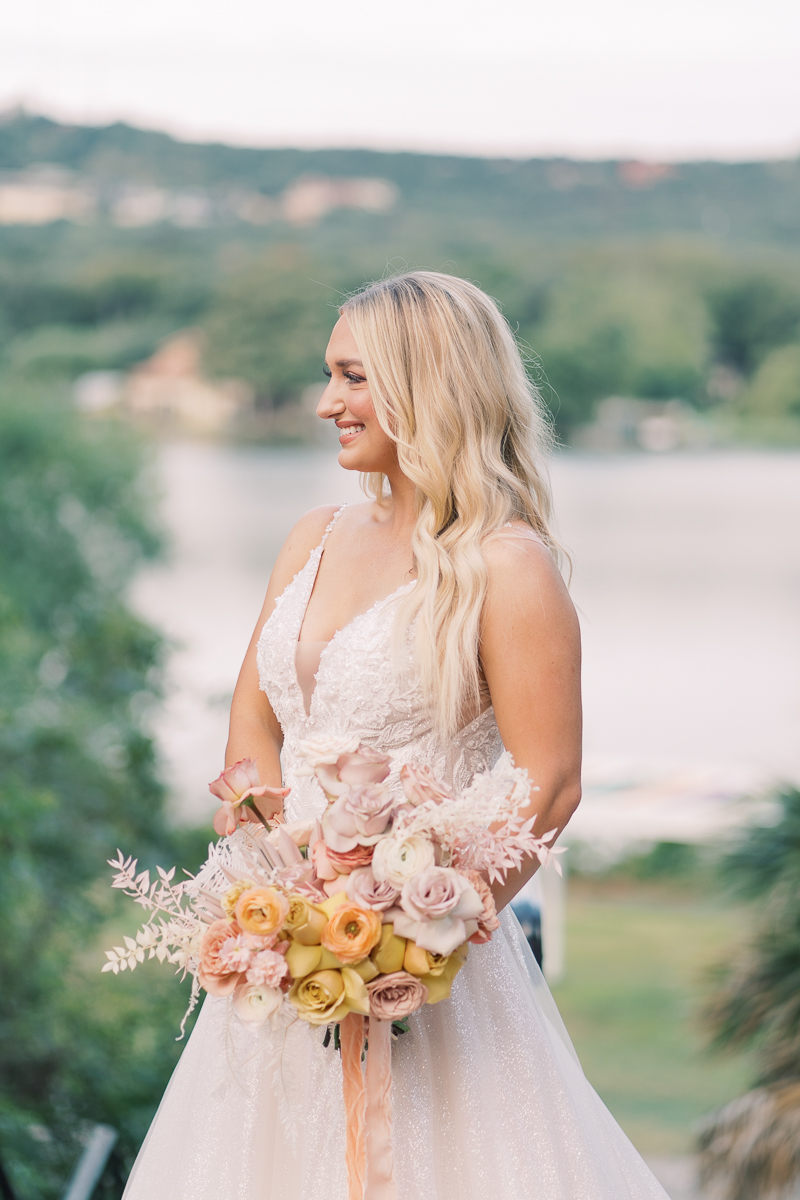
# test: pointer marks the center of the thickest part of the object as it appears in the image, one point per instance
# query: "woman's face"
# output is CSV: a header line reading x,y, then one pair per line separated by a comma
x,y
346,401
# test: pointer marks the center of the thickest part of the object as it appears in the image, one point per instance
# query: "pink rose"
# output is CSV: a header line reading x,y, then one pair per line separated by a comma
x,y
356,769
364,889
358,815
267,969
214,976
420,784
300,877
439,909
392,997
322,863
488,920
234,786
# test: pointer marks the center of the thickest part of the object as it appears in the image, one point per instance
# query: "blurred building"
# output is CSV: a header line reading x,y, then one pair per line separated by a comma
x,y
658,426
43,194
170,388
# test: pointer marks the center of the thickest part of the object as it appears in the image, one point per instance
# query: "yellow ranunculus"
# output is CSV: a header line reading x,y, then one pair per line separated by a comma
x,y
388,954
302,960
440,982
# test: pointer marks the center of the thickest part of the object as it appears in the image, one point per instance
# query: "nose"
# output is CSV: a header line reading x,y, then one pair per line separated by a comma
x,y
330,404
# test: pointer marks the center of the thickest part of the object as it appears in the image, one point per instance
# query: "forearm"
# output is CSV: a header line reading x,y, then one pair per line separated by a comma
x,y
554,813
251,737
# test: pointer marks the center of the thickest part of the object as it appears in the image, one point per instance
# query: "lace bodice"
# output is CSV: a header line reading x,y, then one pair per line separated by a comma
x,y
362,688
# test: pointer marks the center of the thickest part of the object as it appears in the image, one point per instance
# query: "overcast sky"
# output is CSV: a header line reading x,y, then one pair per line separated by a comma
x,y
591,78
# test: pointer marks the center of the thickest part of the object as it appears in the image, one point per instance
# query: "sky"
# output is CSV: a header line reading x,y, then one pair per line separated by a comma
x,y
621,78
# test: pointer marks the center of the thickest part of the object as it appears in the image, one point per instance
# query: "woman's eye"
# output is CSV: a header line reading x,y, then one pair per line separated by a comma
x,y
354,378
326,371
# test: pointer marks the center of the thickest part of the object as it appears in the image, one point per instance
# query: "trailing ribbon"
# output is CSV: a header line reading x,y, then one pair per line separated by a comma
x,y
368,1109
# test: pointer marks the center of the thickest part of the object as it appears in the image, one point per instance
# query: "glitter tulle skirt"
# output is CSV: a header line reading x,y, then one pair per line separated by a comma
x,y
489,1101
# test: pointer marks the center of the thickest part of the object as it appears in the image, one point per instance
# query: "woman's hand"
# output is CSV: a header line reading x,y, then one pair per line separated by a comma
x,y
530,653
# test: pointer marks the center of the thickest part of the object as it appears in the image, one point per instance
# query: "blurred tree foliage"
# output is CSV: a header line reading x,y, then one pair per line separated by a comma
x,y
751,1147
78,673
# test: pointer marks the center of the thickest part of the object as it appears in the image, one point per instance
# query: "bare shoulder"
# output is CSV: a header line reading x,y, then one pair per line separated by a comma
x,y
304,537
525,586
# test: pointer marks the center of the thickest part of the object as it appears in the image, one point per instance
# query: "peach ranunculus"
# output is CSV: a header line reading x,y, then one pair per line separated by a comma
x,y
420,785
214,976
235,787
353,768
352,932
396,860
392,997
261,910
350,860
358,816
488,921
233,894
324,997
363,888
304,921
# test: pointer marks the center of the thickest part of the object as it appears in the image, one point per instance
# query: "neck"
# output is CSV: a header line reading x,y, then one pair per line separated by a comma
x,y
403,501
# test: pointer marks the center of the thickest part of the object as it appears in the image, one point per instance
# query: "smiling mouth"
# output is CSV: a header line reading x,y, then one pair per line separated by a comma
x,y
348,433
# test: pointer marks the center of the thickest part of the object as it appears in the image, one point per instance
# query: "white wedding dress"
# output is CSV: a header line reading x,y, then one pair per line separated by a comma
x,y
489,1097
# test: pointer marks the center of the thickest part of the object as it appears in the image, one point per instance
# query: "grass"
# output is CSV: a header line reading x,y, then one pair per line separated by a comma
x,y
638,959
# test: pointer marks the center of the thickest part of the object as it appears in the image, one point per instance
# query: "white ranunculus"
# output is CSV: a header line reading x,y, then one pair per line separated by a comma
x,y
255,1003
396,860
315,751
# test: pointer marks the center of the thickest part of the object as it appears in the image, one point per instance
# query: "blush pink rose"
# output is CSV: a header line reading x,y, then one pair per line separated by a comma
x,y
355,769
394,996
488,921
214,976
364,889
358,815
439,909
420,785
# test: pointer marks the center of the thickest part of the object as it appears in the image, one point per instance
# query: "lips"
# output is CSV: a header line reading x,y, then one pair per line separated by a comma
x,y
348,433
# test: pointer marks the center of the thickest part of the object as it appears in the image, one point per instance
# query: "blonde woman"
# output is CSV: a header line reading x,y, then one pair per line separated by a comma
x,y
433,622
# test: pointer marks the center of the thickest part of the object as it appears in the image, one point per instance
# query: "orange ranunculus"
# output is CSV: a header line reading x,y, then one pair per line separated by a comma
x,y
261,910
352,932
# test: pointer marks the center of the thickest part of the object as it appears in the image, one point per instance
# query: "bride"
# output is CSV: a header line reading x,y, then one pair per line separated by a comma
x,y
433,622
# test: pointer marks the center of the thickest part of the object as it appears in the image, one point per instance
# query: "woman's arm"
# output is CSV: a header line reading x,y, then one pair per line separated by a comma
x,y
255,731
530,653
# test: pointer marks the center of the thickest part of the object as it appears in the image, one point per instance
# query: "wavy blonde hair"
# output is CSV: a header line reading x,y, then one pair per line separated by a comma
x,y
450,388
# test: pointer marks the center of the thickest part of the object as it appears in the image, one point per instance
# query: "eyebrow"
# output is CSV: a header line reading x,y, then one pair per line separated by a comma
x,y
344,363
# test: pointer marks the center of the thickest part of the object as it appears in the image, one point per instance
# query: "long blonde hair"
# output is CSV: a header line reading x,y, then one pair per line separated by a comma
x,y
450,388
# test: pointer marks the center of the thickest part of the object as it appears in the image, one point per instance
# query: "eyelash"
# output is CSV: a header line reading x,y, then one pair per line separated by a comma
x,y
348,376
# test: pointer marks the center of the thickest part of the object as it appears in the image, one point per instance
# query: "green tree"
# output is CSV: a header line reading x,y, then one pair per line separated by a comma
x,y
751,1147
750,316
78,672
270,324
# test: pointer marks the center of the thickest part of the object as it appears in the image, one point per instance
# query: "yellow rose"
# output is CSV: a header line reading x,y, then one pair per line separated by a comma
x,y
440,983
352,932
261,911
424,962
389,953
302,960
233,894
305,921
328,996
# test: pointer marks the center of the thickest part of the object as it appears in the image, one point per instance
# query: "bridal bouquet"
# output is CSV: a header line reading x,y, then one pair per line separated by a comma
x,y
366,912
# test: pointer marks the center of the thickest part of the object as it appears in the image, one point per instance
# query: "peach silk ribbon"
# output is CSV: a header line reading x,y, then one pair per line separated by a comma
x,y
368,1108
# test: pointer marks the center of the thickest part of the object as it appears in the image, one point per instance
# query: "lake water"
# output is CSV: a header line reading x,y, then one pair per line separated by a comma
x,y
686,577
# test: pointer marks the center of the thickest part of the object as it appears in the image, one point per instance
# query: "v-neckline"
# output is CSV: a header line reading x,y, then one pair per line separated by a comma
x,y
338,633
